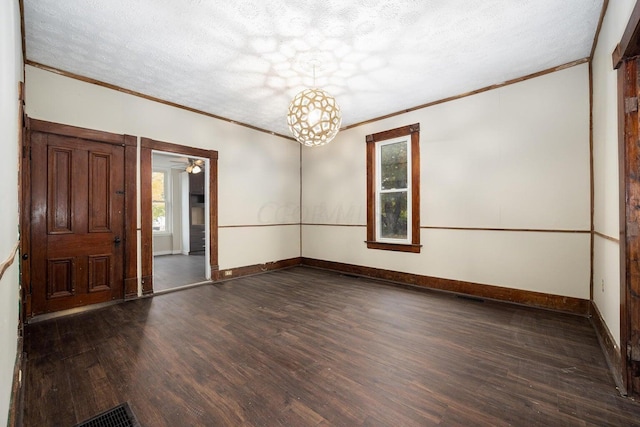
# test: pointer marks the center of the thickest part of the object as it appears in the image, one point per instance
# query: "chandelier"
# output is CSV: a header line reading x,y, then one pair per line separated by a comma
x,y
314,117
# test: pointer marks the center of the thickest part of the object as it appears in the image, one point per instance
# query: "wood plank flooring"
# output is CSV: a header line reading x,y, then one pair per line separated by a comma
x,y
171,271
305,347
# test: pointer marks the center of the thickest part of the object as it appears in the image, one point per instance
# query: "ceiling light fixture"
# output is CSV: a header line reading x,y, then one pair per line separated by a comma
x,y
314,116
195,166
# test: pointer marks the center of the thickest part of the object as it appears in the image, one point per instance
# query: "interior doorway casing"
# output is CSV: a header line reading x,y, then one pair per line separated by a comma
x,y
626,61
147,146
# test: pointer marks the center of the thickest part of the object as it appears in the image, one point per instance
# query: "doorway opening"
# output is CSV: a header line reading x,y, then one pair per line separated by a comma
x,y
179,207
163,229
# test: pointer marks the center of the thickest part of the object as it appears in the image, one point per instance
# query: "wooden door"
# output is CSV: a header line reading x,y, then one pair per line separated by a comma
x,y
77,222
629,152
626,59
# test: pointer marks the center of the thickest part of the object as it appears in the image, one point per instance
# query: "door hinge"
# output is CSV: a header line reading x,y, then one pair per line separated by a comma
x,y
630,105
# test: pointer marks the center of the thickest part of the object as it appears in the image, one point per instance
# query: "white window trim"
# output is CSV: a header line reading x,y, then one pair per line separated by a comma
x,y
407,140
168,229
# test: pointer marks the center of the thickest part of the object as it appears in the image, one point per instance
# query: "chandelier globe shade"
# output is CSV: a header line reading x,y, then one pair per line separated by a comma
x,y
314,117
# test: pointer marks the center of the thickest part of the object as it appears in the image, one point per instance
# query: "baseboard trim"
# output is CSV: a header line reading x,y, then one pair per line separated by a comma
x,y
250,270
609,347
162,253
516,296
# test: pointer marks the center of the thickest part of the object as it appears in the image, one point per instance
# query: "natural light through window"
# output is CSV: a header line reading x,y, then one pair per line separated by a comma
x,y
159,201
393,189
393,197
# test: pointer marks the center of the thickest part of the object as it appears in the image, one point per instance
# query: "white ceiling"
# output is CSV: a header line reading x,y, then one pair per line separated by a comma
x,y
245,59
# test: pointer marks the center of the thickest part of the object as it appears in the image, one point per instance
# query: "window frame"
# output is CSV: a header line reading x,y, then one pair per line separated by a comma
x,y
412,244
168,230
380,191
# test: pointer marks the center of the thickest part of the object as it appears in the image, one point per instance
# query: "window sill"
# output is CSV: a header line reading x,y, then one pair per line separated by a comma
x,y
393,247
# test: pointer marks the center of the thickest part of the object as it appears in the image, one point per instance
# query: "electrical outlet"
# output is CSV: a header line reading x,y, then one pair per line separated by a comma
x,y
602,284
228,272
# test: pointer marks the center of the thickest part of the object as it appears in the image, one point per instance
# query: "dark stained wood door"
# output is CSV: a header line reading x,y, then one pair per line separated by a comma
x,y
626,61
77,222
629,152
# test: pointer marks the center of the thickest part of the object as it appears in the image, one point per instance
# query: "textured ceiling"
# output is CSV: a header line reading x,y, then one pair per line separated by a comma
x,y
245,59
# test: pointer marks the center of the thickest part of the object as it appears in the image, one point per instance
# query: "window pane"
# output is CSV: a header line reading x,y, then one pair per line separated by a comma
x,y
393,170
157,186
393,215
159,216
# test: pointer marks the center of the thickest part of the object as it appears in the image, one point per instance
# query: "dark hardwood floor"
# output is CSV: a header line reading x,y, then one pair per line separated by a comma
x,y
305,347
172,271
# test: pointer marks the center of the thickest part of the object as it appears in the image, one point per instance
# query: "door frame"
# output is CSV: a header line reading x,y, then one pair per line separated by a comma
x,y
626,62
147,146
129,261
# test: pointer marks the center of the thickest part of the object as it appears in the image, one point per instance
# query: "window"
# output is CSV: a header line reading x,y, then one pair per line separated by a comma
x,y
160,201
393,189
393,201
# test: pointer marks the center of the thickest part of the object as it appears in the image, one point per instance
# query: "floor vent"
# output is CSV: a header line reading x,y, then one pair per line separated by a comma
x,y
120,416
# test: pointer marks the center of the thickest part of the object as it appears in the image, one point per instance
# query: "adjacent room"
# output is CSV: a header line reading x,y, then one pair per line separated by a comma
x,y
178,213
322,213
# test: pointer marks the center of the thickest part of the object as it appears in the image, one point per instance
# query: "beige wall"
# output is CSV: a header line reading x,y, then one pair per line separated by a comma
x,y
10,75
606,274
255,169
499,159
512,158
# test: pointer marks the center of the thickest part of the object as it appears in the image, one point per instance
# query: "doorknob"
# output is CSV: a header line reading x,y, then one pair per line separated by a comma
x,y
117,240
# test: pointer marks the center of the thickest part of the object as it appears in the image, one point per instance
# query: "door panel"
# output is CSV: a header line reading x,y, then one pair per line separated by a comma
x,y
77,211
99,272
99,193
59,190
60,281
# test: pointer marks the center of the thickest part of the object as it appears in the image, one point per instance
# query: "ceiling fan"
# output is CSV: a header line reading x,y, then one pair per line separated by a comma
x,y
190,165
194,166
